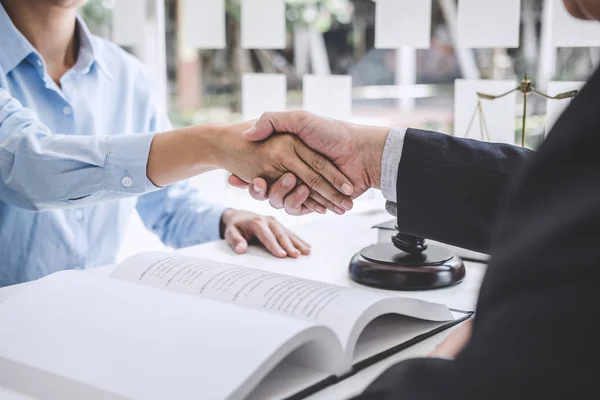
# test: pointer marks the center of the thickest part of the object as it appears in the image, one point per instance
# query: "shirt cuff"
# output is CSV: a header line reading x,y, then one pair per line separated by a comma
x,y
126,164
392,153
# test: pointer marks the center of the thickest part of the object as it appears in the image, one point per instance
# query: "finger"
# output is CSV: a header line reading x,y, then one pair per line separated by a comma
x,y
258,189
315,203
300,244
237,182
281,189
313,206
304,211
323,202
297,202
293,201
263,233
319,184
235,239
271,122
326,169
283,237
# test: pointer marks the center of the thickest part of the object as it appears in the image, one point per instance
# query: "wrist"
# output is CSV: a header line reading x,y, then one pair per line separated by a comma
x,y
178,155
371,144
212,142
229,146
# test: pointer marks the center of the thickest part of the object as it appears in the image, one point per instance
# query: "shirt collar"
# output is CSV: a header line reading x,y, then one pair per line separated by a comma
x,y
17,48
89,53
85,56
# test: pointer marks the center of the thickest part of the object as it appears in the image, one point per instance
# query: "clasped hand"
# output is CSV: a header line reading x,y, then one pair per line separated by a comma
x,y
280,158
355,150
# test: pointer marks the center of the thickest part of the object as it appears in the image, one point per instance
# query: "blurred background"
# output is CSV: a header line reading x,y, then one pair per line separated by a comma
x,y
391,87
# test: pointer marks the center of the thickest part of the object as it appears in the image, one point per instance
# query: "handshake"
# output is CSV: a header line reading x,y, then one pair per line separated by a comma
x,y
297,160
303,162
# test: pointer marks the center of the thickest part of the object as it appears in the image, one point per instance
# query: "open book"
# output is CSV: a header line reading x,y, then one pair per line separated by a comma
x,y
165,326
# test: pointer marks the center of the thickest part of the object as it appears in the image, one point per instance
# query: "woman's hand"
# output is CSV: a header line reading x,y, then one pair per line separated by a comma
x,y
239,227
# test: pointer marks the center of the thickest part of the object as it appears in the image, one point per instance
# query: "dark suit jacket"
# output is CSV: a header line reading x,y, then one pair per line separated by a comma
x,y
535,334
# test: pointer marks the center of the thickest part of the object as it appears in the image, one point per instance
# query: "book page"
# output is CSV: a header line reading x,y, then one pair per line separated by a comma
x,y
339,307
81,336
389,330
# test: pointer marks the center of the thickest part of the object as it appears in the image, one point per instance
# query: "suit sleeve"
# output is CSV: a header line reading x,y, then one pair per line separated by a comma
x,y
449,189
535,333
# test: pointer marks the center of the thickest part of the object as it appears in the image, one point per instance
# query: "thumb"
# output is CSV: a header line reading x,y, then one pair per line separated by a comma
x,y
273,122
234,238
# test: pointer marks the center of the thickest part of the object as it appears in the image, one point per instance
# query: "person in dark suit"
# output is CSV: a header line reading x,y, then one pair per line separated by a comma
x,y
538,214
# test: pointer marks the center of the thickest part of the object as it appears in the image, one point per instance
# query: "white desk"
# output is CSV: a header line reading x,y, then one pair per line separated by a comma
x,y
335,240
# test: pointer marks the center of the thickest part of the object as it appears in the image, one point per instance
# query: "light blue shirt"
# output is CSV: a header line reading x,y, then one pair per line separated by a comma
x,y
73,161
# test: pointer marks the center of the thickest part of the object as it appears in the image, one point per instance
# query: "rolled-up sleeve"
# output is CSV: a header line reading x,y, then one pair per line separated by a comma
x,y
40,169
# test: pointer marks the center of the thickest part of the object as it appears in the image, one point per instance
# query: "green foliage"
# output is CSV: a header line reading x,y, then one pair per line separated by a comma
x,y
233,8
96,14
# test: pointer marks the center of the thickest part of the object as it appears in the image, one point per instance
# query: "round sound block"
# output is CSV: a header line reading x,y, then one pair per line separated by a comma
x,y
386,267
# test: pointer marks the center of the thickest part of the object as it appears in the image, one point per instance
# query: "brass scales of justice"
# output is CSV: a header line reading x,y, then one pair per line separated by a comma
x,y
524,87
406,262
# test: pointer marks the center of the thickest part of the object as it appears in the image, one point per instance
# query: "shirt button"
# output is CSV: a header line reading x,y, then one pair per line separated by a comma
x,y
127,181
67,110
39,62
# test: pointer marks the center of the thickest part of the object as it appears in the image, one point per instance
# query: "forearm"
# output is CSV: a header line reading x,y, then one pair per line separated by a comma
x,y
181,154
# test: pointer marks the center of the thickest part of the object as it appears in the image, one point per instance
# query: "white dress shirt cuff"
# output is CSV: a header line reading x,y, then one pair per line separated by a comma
x,y
392,153
126,163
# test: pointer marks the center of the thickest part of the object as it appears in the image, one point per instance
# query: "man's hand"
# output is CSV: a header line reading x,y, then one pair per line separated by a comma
x,y
238,227
282,153
356,150
455,342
